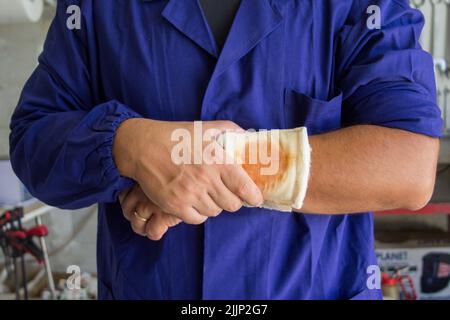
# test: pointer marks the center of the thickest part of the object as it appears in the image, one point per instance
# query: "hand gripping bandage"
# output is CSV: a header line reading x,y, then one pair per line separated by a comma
x,y
278,161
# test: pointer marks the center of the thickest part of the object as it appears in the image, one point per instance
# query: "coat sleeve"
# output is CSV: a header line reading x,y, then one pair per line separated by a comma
x,y
387,79
61,141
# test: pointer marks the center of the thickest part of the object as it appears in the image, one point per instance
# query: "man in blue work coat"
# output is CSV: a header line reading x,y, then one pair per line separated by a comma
x,y
94,122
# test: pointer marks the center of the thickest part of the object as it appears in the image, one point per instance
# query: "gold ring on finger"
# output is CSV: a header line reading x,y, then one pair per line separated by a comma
x,y
137,215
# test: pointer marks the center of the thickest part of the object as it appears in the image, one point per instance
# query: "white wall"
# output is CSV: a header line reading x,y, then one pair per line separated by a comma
x,y
20,45
441,48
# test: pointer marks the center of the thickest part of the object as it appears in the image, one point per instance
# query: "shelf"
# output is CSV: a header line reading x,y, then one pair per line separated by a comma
x,y
432,208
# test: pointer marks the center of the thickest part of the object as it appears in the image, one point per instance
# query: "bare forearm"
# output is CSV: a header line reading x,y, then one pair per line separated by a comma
x,y
365,168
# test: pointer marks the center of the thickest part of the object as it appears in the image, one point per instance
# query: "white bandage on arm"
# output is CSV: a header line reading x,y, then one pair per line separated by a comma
x,y
278,161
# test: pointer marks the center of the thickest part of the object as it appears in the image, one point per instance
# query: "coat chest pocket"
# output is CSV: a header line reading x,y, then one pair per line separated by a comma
x,y
319,116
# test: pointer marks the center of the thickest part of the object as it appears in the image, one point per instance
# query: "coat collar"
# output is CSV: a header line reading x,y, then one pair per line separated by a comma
x,y
187,16
254,20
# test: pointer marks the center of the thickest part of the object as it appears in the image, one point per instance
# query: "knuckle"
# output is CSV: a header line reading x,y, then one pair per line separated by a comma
x,y
188,186
202,175
171,206
146,210
141,210
198,195
242,189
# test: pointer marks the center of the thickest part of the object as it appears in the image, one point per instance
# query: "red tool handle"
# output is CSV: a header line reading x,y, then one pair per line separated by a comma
x,y
5,218
16,234
38,231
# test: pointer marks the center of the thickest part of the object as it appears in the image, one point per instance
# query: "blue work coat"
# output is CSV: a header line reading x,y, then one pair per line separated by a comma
x,y
285,64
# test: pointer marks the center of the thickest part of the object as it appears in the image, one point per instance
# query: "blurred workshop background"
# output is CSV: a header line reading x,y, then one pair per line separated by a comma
x,y
71,240
55,256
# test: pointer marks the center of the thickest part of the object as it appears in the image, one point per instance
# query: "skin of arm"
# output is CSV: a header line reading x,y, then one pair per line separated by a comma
x,y
356,169
370,168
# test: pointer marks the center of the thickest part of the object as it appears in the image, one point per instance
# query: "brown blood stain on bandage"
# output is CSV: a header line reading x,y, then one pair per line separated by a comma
x,y
254,168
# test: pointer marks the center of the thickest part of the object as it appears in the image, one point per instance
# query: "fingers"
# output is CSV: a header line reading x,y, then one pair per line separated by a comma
x,y
137,209
192,216
238,182
130,201
225,199
141,217
147,219
235,179
207,207
159,224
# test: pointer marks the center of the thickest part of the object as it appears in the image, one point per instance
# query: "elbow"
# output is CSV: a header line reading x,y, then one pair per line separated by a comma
x,y
420,190
420,196
422,174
